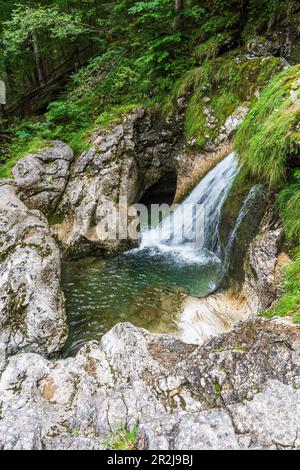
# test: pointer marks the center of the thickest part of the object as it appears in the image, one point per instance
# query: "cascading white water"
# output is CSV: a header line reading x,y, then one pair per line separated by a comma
x,y
146,286
193,225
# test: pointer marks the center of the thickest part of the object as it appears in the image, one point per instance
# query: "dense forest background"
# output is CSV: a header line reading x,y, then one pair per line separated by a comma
x,y
134,52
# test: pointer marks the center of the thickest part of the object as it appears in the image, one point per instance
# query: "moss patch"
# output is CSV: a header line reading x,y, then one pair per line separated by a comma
x,y
216,89
18,151
289,303
289,202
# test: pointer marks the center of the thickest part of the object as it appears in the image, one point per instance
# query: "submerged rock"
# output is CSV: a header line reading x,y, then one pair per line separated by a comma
x,y
226,394
32,313
202,318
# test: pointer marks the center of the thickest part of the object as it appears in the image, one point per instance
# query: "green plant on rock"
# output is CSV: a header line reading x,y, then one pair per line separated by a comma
x,y
121,439
20,147
218,86
269,135
289,303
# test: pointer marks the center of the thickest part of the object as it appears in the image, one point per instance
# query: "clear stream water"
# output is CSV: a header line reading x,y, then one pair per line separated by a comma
x,y
146,286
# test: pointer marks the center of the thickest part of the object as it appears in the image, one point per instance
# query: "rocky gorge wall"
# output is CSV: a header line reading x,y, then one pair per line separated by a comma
x,y
224,394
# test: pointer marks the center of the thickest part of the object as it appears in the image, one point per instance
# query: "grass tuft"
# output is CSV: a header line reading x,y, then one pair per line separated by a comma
x,y
269,135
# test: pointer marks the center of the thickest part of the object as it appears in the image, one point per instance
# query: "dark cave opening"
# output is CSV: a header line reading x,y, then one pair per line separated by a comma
x,y
162,192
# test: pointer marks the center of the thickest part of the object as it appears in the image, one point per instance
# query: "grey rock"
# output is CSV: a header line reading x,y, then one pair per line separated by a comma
x,y
273,416
262,284
124,163
235,120
41,178
32,313
237,391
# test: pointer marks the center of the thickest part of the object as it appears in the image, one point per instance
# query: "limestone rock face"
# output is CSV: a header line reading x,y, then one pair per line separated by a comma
x,y
233,122
240,222
123,163
31,301
263,47
239,390
262,271
42,178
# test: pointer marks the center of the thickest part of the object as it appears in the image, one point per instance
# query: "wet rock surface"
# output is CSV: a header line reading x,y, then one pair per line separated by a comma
x,y
239,390
122,165
32,315
263,273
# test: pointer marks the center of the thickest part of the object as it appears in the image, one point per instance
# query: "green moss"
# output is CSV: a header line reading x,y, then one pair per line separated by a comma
x,y
267,143
219,86
270,132
19,149
289,202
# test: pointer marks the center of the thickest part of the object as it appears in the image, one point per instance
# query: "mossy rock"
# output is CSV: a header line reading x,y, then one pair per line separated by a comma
x,y
217,88
241,218
233,204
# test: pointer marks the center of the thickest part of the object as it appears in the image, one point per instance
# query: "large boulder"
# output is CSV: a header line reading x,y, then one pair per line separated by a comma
x,y
122,163
32,315
41,178
239,390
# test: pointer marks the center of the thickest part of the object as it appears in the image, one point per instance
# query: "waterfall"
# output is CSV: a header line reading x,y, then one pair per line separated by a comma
x,y
194,224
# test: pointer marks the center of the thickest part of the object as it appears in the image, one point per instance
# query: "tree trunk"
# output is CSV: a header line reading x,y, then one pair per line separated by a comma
x,y
178,5
39,66
178,8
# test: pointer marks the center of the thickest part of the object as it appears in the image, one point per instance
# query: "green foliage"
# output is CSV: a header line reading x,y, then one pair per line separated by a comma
x,y
219,85
21,146
210,48
289,303
268,143
26,20
289,201
121,439
268,137
142,55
